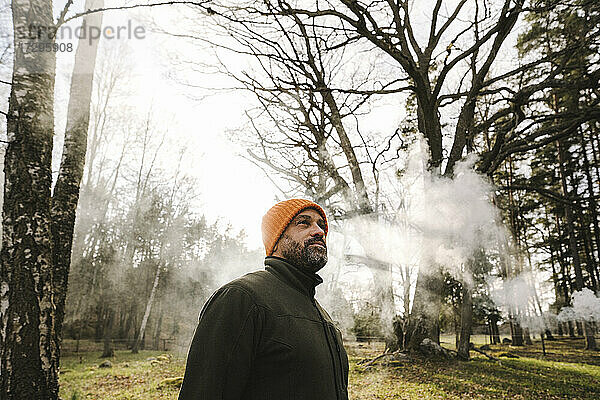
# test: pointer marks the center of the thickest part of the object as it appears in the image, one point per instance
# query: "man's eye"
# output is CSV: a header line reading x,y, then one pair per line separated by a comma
x,y
303,222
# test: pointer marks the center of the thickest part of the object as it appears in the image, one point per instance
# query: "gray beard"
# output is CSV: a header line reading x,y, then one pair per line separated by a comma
x,y
307,258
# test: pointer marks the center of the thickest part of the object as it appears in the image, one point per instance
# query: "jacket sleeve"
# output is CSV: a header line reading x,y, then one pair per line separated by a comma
x,y
224,346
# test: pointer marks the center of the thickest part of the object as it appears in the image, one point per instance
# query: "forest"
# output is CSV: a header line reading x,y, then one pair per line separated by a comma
x,y
454,145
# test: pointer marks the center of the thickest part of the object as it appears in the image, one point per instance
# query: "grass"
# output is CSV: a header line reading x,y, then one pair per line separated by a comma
x,y
132,376
567,372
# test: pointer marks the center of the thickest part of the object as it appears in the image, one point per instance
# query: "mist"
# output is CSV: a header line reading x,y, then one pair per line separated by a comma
x,y
585,307
437,221
169,211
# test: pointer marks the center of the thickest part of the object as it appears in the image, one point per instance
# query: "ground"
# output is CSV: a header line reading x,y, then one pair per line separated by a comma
x,y
566,372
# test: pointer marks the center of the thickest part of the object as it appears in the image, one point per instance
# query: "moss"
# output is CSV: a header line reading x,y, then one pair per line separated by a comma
x,y
171,382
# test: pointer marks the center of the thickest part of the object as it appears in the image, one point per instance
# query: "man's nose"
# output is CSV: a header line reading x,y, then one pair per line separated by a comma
x,y
317,231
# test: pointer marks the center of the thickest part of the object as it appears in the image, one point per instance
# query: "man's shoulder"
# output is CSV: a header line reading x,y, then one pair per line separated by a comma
x,y
262,287
254,283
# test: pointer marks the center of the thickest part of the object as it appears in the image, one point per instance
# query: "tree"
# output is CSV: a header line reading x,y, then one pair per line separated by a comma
x,y
27,312
569,25
66,190
303,125
38,225
388,27
472,40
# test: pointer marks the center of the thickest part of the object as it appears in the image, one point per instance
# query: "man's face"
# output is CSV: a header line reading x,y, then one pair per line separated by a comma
x,y
303,241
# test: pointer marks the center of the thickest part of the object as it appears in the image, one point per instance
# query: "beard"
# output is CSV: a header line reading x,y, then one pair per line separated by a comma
x,y
303,255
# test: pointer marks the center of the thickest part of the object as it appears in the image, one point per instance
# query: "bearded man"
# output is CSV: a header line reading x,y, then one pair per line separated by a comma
x,y
264,336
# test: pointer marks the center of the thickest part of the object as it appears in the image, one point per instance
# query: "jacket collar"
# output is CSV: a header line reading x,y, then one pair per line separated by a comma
x,y
304,282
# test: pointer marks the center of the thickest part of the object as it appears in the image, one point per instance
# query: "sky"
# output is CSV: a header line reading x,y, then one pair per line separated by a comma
x,y
174,77
232,190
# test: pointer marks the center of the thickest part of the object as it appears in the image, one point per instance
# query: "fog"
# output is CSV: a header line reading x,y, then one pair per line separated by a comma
x,y
585,307
168,193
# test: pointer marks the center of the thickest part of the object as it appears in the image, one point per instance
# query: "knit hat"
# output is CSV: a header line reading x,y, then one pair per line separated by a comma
x,y
280,215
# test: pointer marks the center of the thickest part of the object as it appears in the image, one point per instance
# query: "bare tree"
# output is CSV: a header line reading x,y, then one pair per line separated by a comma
x,y
306,126
161,262
451,64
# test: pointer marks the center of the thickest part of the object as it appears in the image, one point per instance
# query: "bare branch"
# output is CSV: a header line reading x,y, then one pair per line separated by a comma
x,y
61,17
201,4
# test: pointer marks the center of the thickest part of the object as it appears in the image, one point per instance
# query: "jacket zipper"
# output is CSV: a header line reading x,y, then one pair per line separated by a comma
x,y
335,375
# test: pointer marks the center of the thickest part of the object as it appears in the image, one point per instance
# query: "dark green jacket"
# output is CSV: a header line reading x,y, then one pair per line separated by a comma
x,y
265,337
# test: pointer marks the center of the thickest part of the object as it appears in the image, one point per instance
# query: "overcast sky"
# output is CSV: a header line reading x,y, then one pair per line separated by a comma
x,y
231,189
197,119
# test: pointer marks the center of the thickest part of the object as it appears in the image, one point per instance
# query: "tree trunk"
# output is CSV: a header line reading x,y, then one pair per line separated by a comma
x,y
590,262
466,322
494,332
456,321
99,325
108,350
560,330
564,273
527,336
406,291
536,298
571,328
424,318
384,298
593,205
579,327
589,335
158,329
511,269
595,144
131,324
558,300
516,332
66,190
27,312
140,337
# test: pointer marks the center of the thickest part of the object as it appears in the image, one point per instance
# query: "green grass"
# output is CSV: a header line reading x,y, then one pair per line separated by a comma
x,y
567,372
131,377
523,378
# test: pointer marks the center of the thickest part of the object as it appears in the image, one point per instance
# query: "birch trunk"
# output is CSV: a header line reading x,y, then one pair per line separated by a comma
x,y
27,308
66,191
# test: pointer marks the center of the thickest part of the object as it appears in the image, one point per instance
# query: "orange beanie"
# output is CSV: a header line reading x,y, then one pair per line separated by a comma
x,y
280,215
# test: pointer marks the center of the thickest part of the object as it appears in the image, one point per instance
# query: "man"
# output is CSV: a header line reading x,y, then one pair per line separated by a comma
x,y
264,336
